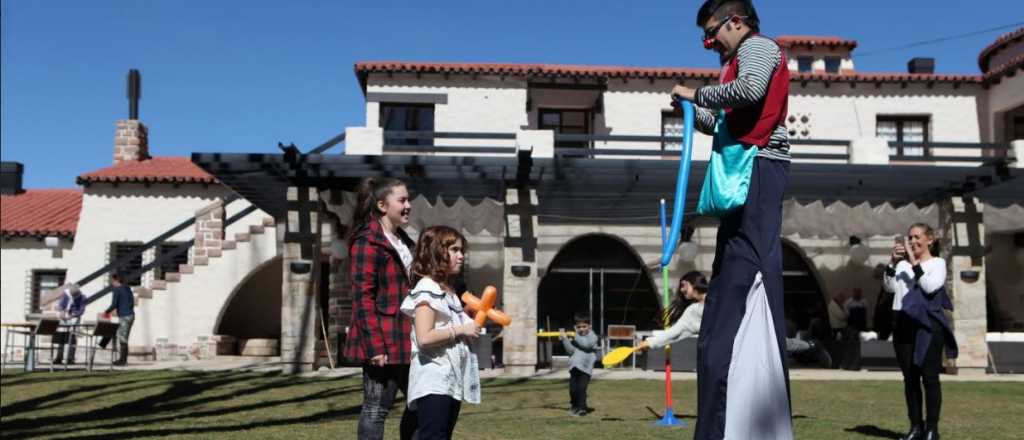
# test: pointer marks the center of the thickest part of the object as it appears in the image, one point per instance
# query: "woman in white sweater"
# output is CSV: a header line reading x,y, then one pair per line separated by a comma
x,y
917,277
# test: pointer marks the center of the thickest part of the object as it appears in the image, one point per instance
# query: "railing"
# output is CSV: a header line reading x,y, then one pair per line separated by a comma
x,y
391,146
161,258
654,146
971,152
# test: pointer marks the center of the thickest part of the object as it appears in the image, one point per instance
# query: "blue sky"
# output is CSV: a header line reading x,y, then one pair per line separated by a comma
x,y
239,76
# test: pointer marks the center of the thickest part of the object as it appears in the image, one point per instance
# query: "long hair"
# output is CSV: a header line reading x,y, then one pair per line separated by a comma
x,y
370,191
432,258
930,233
697,280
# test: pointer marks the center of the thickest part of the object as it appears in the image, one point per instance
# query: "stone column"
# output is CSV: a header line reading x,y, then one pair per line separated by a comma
x,y
963,247
209,233
520,282
298,297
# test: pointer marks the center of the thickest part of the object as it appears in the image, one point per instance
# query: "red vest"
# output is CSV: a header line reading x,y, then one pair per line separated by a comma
x,y
754,124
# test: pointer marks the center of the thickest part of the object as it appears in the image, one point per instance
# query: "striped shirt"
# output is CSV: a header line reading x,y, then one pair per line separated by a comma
x,y
758,59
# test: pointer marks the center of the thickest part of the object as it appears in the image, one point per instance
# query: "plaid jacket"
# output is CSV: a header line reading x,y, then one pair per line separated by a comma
x,y
379,284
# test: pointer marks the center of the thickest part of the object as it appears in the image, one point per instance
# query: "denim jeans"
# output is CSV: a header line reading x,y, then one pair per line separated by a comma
x,y
380,387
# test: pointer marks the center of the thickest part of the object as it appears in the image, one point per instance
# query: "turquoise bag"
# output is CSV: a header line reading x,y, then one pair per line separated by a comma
x,y
728,176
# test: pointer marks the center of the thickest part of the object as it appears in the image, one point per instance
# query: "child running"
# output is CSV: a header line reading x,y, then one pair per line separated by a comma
x,y
443,372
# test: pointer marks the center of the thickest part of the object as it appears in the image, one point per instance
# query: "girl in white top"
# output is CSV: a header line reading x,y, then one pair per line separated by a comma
x,y
693,287
444,369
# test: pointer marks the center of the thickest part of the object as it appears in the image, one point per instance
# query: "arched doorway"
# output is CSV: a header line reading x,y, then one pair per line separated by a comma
x,y
600,275
253,310
805,301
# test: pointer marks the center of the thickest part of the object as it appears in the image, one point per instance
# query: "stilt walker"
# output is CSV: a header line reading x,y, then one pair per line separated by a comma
x,y
742,381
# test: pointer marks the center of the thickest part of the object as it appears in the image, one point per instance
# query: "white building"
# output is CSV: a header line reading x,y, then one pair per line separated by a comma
x,y
554,172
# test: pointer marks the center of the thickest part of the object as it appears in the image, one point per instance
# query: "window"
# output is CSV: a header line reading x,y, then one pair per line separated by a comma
x,y
903,129
832,64
119,250
566,122
671,126
43,281
170,265
804,64
407,117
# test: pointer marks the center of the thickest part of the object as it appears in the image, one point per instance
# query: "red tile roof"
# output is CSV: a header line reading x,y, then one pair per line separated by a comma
x,y
40,213
563,70
364,68
1008,68
162,169
788,41
1001,42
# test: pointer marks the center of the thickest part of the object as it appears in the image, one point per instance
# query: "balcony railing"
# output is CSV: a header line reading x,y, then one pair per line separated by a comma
x,y
610,146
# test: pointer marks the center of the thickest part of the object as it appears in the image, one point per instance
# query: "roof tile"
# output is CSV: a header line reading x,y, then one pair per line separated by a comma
x,y
162,169
40,213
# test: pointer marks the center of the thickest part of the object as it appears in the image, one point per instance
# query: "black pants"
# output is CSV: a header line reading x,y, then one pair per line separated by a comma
x,y
380,387
578,383
914,377
437,416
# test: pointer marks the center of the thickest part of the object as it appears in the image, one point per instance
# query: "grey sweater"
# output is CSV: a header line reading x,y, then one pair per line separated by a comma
x,y
582,351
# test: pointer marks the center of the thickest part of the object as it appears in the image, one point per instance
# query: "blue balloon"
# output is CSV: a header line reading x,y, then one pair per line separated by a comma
x,y
669,247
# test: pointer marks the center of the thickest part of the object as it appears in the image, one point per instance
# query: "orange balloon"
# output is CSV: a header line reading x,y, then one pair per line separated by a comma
x,y
484,307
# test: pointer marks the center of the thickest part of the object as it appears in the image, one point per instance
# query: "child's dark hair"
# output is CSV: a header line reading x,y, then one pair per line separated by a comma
x,y
723,9
370,191
581,318
432,258
698,281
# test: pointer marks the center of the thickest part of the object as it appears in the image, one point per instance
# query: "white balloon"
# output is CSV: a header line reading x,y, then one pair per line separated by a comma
x,y
688,251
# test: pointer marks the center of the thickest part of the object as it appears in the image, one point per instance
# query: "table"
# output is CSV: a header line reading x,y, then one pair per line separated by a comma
x,y
28,329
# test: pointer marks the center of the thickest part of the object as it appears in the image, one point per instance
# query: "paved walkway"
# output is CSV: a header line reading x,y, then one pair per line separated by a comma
x,y
265,364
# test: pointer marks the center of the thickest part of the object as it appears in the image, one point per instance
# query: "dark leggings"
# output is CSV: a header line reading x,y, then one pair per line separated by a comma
x,y
913,376
437,416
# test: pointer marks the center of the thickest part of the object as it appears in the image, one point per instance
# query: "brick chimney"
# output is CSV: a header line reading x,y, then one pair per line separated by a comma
x,y
131,141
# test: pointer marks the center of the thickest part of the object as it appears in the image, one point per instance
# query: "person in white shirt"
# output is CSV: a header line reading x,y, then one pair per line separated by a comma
x,y
917,279
444,368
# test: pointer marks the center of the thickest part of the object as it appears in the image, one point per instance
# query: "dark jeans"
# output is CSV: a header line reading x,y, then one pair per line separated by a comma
x,y
913,376
380,387
578,382
437,416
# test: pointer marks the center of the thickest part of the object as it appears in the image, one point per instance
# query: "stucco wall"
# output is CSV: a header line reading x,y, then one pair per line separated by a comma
x,y
1006,95
19,256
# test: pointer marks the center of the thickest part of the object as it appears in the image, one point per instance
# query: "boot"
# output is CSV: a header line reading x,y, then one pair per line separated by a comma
x,y
916,433
104,341
931,434
123,355
71,355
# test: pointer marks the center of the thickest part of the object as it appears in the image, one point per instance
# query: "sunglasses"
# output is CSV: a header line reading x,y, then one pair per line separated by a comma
x,y
710,34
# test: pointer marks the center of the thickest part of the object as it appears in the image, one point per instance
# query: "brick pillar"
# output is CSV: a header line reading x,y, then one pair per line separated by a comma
x,y
209,232
963,247
131,141
298,298
520,282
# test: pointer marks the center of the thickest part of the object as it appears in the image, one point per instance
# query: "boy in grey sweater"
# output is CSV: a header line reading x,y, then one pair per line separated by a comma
x,y
582,351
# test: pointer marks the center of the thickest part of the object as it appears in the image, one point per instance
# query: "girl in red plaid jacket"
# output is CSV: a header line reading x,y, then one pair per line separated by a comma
x,y
380,254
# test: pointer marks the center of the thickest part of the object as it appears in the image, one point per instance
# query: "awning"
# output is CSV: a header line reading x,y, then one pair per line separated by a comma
x,y
619,190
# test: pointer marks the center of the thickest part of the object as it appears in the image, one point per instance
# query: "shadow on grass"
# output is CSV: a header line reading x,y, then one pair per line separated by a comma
x,y
177,402
322,416
874,431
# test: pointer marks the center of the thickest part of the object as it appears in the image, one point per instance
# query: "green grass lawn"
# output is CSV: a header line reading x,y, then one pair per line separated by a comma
x,y
238,405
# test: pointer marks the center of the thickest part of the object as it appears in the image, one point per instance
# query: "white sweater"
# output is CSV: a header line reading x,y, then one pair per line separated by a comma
x,y
687,326
903,280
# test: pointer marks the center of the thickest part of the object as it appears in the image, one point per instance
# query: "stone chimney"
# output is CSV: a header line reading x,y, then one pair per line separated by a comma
x,y
131,141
